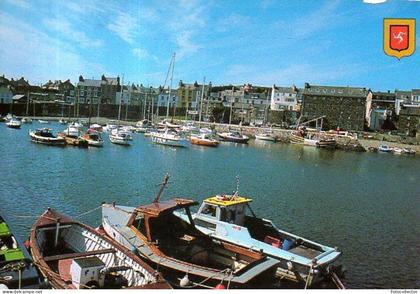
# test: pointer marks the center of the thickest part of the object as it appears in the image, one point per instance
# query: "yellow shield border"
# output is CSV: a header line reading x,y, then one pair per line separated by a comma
x,y
411,22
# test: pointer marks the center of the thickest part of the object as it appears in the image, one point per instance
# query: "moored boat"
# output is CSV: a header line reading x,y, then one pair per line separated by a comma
x,y
203,140
41,121
93,138
17,270
266,136
96,127
112,124
72,255
14,123
185,256
384,149
26,120
45,136
168,138
119,138
233,136
224,217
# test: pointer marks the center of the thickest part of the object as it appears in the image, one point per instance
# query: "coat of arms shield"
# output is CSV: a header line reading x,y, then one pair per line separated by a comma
x,y
399,37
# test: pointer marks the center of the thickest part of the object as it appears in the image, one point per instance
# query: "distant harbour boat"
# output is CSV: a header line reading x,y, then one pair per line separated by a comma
x,y
14,123
168,138
43,121
45,136
233,136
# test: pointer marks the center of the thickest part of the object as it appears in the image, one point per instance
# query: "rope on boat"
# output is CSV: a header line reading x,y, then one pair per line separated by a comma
x,y
337,281
87,212
201,284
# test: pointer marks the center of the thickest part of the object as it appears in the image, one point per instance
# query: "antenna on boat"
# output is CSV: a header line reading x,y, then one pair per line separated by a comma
x,y
162,187
236,193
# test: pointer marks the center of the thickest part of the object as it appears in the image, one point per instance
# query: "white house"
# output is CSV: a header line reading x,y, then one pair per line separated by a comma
x,y
284,98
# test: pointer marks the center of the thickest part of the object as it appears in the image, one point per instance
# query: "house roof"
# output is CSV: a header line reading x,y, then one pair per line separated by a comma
x,y
91,83
335,91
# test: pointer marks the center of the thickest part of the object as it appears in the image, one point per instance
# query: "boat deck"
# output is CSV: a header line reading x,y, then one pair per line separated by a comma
x,y
304,251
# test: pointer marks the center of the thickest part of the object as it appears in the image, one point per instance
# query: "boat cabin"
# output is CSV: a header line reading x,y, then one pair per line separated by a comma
x,y
225,208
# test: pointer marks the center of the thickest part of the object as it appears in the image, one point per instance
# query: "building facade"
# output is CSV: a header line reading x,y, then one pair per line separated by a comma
x,y
284,98
6,94
341,107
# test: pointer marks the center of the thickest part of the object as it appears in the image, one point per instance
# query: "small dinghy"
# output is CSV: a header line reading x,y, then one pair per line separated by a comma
x,y
72,255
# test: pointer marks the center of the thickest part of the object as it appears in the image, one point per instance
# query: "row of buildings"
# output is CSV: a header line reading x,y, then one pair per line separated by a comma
x,y
348,108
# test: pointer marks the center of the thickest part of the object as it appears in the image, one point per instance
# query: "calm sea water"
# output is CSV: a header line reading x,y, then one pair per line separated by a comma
x,y
366,204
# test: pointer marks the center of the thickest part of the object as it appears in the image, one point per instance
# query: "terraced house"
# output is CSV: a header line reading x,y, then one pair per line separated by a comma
x,y
342,107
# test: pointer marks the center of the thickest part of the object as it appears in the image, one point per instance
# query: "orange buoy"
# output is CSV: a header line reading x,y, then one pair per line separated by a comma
x,y
220,287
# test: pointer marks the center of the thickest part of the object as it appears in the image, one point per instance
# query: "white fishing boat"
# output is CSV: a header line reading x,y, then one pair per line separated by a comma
x,y
112,124
72,131
14,123
224,218
168,138
62,121
384,149
266,136
41,121
124,130
93,138
119,138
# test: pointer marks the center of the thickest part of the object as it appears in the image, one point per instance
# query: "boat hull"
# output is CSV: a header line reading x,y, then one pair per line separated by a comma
x,y
53,141
168,142
243,140
204,142
266,138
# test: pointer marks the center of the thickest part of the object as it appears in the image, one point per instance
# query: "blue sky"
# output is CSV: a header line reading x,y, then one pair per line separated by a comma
x,y
260,42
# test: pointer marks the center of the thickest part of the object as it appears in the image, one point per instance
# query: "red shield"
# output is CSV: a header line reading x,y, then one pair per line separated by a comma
x,y
399,37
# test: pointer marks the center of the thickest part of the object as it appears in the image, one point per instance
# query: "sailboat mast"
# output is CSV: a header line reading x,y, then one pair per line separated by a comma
x,y
231,105
121,97
201,101
170,84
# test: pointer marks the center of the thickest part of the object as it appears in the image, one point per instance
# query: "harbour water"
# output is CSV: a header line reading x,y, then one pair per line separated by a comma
x,y
367,204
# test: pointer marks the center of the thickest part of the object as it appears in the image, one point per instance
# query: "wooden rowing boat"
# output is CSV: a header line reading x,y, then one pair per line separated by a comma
x,y
72,255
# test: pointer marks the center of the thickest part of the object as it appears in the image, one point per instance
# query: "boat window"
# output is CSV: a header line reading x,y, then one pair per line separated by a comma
x,y
209,210
139,224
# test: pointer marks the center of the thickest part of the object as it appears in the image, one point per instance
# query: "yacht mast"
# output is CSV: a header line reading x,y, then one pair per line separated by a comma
x,y
201,101
121,97
172,64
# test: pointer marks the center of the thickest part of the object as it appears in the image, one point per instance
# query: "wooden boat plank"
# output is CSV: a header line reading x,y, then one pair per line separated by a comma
x,y
78,254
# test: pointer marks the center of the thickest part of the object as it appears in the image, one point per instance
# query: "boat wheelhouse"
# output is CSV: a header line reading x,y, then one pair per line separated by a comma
x,y
225,218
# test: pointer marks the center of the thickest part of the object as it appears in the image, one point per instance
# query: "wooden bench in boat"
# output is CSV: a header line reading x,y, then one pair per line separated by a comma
x,y
78,254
